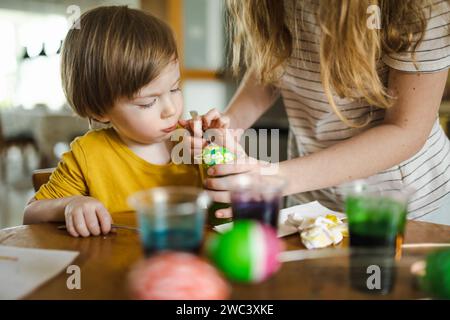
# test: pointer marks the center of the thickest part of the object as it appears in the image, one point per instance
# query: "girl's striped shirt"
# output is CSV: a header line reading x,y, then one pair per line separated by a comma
x,y
313,126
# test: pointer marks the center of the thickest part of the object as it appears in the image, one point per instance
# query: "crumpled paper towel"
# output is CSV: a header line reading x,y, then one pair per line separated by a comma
x,y
319,232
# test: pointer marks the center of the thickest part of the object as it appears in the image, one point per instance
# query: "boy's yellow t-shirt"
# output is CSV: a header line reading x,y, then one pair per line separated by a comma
x,y
101,166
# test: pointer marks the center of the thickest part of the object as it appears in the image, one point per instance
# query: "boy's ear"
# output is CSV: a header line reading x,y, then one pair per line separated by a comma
x,y
102,119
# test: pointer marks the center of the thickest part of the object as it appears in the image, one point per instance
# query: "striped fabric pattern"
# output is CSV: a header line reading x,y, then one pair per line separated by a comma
x,y
314,126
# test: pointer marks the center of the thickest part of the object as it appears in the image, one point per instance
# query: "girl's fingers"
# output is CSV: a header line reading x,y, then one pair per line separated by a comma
x,y
220,183
104,218
224,213
91,221
227,138
222,123
70,227
211,115
219,196
230,168
80,224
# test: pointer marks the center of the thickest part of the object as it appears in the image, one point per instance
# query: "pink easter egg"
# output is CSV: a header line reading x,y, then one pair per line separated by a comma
x,y
176,276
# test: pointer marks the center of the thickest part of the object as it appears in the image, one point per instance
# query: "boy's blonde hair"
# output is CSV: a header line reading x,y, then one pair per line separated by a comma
x,y
115,52
261,41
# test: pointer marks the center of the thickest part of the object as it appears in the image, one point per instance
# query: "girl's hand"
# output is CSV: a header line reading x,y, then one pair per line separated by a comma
x,y
86,216
223,176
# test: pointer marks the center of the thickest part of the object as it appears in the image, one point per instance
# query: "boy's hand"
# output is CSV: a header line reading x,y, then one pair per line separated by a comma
x,y
86,216
213,119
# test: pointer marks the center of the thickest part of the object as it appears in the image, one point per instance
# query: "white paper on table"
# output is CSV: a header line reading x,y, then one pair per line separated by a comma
x,y
22,269
309,210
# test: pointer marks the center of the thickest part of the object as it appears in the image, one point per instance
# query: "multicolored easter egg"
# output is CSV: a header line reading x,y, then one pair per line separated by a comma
x,y
214,154
176,276
246,253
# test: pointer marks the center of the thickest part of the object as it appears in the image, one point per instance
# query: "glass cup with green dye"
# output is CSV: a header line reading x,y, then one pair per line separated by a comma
x,y
376,220
376,217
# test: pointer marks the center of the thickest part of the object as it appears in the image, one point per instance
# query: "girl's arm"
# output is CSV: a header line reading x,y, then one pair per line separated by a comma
x,y
250,101
402,134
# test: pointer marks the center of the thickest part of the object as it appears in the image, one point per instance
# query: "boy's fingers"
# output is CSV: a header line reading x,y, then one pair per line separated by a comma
x,y
194,145
183,123
80,224
190,125
196,142
105,219
187,125
197,128
91,221
69,226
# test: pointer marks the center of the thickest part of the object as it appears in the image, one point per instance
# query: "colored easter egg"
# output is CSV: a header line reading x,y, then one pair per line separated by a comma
x,y
214,154
437,276
211,155
246,253
176,276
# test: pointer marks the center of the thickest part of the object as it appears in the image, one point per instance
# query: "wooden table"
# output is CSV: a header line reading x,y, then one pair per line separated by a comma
x,y
105,261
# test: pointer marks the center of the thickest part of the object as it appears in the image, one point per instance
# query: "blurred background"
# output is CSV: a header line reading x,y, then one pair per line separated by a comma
x,y
36,124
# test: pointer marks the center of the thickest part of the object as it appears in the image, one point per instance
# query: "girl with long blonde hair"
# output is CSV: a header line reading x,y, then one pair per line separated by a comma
x,y
362,82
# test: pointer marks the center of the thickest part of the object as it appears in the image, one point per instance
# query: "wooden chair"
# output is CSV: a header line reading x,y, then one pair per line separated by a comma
x,y
22,141
40,177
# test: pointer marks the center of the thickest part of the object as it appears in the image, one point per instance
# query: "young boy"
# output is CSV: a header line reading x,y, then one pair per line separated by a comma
x,y
120,67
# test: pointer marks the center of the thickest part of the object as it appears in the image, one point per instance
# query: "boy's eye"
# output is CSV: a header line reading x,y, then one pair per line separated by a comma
x,y
175,90
146,106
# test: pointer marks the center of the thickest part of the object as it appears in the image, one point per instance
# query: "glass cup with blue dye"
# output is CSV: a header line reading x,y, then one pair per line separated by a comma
x,y
171,218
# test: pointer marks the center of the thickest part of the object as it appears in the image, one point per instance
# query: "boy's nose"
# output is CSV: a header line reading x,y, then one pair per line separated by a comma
x,y
169,110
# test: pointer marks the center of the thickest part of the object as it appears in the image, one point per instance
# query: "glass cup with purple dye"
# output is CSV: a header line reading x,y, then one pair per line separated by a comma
x,y
257,197
171,218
